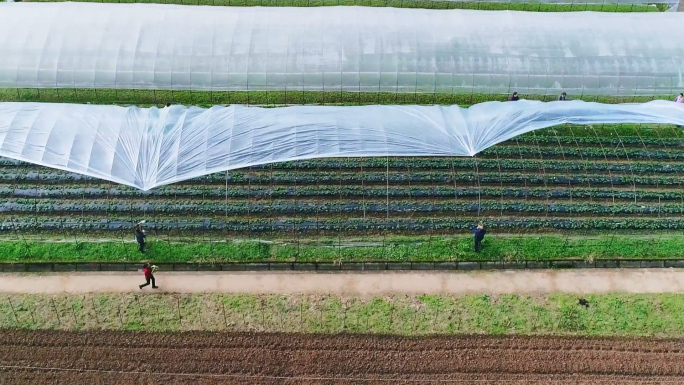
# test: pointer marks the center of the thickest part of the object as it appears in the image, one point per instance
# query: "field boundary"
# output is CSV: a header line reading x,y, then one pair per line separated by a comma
x,y
40,267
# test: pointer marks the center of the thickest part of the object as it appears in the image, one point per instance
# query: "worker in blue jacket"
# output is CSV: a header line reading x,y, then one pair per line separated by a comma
x,y
480,232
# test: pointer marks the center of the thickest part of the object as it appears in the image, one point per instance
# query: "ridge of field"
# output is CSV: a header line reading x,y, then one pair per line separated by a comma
x,y
531,6
507,247
568,191
618,315
148,98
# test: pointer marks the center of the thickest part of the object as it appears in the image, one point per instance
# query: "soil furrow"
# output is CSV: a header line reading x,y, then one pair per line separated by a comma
x,y
212,358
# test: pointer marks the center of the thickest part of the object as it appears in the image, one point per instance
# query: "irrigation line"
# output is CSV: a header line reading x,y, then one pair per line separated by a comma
x,y
333,378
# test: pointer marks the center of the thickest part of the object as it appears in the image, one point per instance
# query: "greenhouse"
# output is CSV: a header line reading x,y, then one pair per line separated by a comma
x,y
310,132
356,49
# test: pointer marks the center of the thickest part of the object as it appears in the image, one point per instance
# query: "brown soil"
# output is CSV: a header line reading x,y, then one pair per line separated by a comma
x,y
211,358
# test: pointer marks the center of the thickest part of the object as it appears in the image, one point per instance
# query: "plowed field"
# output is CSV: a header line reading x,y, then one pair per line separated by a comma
x,y
56,357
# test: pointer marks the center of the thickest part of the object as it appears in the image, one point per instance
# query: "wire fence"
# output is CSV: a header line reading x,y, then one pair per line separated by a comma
x,y
591,193
42,267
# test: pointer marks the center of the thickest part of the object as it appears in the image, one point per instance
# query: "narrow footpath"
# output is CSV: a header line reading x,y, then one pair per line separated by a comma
x,y
411,283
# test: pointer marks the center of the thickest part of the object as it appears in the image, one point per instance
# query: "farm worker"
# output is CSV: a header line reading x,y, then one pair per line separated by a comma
x,y
140,237
562,96
147,270
514,97
679,99
480,232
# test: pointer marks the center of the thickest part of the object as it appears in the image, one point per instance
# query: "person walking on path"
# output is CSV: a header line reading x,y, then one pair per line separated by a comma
x,y
147,270
480,232
140,237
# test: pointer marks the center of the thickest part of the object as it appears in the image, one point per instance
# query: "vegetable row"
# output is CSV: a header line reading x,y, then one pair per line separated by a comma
x,y
617,152
538,177
273,98
448,164
597,141
160,227
302,208
333,192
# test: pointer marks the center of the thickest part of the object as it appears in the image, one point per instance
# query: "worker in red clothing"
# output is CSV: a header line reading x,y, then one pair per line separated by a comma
x,y
147,270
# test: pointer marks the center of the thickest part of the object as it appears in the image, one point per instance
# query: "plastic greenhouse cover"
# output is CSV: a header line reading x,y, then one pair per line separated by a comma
x,y
149,147
164,47
671,4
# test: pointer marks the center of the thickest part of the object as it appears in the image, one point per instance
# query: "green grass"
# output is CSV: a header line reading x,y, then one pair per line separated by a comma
x,y
559,314
146,98
481,5
418,248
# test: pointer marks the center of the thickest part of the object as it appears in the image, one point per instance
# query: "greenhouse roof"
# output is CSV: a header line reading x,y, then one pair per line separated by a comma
x,y
174,47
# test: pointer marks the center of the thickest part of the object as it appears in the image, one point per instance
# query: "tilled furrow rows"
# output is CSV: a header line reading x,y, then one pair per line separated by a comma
x,y
274,341
291,358
326,363
74,378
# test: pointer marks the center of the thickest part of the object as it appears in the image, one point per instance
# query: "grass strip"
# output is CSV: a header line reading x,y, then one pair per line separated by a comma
x,y
147,98
428,4
417,248
558,314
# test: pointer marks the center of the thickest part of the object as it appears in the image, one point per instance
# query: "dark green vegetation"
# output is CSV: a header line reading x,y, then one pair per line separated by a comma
x,y
558,314
481,5
565,192
507,247
146,98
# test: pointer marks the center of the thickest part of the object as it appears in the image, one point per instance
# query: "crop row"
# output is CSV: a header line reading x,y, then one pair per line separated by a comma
x,y
409,164
421,177
159,227
595,134
289,178
275,98
331,192
279,208
583,153
544,139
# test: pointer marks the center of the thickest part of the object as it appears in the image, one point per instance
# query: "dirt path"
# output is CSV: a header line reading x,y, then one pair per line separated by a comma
x,y
58,357
497,282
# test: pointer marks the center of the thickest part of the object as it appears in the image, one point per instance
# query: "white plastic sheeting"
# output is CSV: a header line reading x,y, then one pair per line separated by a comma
x,y
672,5
153,46
149,147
